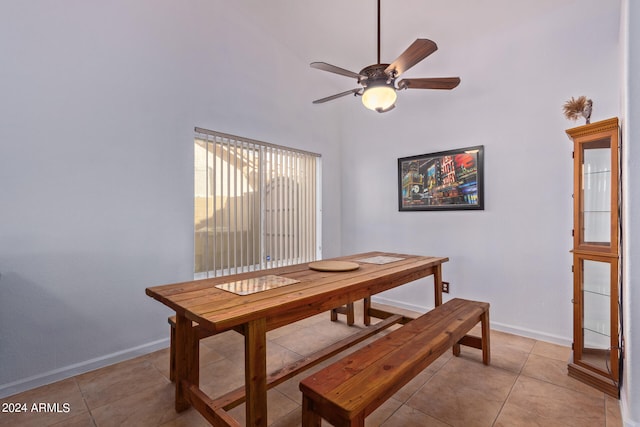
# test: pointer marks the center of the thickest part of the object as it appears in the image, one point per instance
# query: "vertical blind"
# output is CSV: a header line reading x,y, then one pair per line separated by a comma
x,y
255,205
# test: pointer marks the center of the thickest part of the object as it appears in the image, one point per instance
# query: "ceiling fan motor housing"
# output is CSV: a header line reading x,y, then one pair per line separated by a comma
x,y
374,75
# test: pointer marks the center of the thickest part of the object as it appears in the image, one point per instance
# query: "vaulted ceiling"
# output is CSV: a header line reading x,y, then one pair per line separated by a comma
x,y
344,32
473,36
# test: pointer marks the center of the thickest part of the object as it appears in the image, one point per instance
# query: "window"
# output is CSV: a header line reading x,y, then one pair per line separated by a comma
x,y
256,205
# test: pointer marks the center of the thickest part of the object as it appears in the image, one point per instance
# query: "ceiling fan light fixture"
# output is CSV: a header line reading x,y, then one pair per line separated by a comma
x,y
379,97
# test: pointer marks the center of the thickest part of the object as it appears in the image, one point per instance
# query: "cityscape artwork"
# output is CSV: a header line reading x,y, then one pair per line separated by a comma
x,y
446,180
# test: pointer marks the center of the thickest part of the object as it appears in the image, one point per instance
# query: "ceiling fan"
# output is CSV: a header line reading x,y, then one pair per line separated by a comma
x,y
378,81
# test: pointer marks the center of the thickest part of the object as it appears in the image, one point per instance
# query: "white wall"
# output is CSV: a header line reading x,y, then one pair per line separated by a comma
x,y
630,395
515,80
98,105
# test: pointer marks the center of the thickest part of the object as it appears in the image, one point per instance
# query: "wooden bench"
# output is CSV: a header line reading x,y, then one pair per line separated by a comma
x,y
350,313
350,389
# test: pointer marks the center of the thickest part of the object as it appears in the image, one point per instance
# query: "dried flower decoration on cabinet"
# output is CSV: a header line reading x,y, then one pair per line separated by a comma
x,y
580,107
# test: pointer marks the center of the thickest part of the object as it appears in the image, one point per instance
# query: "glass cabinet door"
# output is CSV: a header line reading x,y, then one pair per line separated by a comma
x,y
595,344
596,341
595,207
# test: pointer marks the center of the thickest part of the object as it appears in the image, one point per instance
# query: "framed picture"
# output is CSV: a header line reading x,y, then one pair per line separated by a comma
x,y
447,180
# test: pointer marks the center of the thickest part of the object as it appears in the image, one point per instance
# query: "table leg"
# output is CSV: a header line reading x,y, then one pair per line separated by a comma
x,y
187,369
437,284
255,365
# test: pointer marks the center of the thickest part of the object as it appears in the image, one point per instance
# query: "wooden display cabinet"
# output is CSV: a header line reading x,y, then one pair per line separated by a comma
x,y
596,342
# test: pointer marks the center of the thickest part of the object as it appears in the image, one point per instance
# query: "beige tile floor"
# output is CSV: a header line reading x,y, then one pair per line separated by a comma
x,y
525,385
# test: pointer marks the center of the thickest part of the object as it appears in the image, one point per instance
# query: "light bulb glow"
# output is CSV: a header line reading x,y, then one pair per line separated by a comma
x,y
379,97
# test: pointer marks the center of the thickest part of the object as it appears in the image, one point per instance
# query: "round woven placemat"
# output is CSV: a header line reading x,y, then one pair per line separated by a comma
x,y
333,265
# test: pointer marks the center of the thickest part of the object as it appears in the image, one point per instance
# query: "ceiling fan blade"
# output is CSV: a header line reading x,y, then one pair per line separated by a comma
x,y
333,69
357,91
429,83
419,49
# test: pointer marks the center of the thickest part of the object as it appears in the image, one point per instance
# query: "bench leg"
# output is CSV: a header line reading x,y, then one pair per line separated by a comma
x,y
172,354
486,345
358,421
367,311
348,310
456,349
309,417
351,318
482,343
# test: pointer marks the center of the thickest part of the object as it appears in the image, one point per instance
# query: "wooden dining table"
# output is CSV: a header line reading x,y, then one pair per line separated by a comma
x,y
226,303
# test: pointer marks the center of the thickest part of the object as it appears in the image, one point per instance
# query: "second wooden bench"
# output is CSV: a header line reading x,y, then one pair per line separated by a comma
x,y
345,392
204,333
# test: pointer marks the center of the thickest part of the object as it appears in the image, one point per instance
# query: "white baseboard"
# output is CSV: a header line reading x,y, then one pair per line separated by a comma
x,y
399,304
29,383
524,332
531,333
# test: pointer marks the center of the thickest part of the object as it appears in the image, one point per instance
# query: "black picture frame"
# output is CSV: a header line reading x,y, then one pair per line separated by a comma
x,y
446,180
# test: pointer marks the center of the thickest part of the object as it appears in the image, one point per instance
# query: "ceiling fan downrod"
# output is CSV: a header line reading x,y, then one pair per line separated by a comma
x,y
378,32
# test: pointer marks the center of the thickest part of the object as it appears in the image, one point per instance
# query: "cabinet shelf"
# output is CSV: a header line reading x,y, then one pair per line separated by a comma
x,y
600,329
603,293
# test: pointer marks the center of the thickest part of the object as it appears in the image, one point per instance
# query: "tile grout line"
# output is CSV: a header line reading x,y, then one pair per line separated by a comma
x,y
546,381
416,392
506,399
84,400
